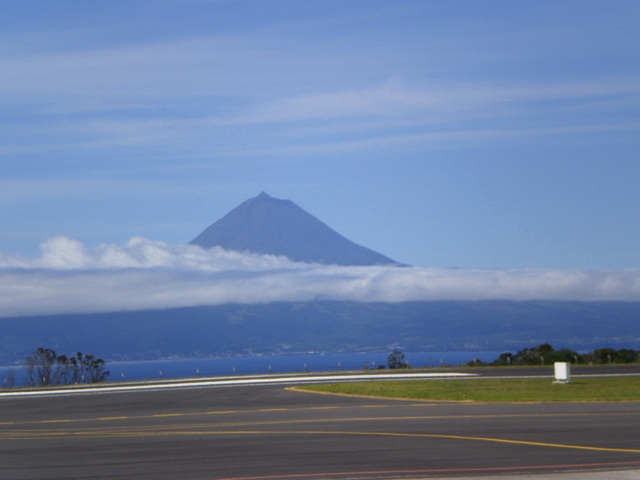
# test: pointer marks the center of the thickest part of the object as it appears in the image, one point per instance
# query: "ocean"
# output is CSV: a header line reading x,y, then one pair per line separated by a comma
x,y
256,365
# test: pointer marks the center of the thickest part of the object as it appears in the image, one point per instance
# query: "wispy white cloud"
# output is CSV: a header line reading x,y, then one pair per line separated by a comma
x,y
389,113
70,277
120,72
435,101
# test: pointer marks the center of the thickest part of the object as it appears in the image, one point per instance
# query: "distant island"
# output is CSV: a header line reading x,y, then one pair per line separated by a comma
x,y
327,327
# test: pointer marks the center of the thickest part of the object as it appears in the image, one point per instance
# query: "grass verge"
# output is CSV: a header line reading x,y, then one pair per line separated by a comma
x,y
594,389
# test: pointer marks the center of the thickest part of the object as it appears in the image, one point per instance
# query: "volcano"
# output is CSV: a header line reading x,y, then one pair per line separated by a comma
x,y
268,225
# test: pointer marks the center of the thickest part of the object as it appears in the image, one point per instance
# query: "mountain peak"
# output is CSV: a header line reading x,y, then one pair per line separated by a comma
x,y
265,224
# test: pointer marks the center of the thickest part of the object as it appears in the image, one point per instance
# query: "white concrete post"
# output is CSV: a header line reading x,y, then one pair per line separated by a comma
x,y
562,372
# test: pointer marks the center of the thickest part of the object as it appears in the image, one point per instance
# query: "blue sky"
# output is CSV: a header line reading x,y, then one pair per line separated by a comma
x,y
476,135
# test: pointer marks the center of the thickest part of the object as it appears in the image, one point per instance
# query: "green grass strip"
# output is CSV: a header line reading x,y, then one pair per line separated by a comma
x,y
495,390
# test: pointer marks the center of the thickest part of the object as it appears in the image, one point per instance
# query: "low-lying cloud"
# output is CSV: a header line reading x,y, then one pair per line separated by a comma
x,y
70,277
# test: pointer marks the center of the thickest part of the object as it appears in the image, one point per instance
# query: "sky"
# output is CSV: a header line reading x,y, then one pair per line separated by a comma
x,y
494,146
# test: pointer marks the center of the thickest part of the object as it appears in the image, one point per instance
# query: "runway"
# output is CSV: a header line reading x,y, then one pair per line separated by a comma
x,y
267,431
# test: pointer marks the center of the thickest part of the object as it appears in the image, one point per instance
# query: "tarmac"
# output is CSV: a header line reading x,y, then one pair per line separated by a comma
x,y
586,475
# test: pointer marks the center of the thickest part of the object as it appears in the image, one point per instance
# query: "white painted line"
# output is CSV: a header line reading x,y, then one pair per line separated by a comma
x,y
227,382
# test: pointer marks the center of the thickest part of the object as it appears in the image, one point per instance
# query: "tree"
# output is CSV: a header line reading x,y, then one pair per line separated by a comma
x,y
40,367
627,355
505,358
397,359
64,370
541,355
92,368
45,367
611,355
546,355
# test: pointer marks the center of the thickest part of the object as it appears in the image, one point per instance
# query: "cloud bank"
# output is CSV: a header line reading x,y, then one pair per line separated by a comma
x,y
70,277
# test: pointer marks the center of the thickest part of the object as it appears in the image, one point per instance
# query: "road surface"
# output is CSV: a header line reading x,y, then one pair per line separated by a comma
x,y
267,431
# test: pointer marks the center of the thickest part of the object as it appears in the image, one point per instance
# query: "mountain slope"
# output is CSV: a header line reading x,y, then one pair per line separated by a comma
x,y
331,327
264,224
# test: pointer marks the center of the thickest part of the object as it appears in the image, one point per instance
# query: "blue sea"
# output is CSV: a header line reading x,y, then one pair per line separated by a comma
x,y
256,365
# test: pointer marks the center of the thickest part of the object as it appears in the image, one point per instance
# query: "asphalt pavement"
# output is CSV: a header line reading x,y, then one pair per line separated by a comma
x,y
586,475
246,431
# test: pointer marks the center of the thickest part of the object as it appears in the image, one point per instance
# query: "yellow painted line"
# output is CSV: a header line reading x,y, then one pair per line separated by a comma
x,y
412,418
326,421
560,445
188,431
503,440
420,435
334,408
177,414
